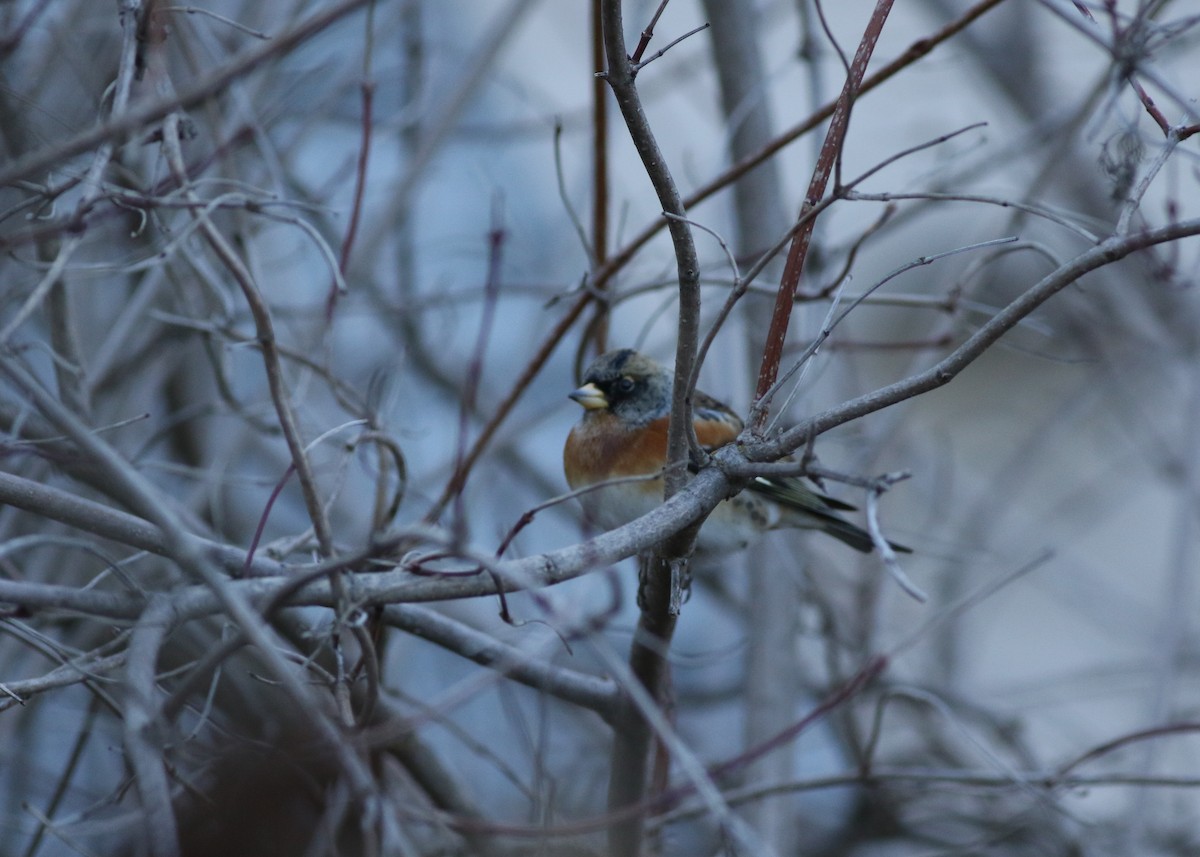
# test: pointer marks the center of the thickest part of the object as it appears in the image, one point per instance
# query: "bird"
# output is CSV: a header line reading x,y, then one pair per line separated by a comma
x,y
626,400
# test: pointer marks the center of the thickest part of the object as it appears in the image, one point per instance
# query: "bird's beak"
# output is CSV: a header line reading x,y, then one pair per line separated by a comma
x,y
591,397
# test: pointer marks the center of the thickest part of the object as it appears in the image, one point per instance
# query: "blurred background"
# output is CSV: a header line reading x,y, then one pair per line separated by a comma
x,y
414,192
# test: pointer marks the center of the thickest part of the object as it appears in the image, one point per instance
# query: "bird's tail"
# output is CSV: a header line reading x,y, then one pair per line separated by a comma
x,y
841,529
806,509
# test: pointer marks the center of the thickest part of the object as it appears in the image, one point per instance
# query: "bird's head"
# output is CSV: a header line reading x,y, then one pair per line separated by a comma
x,y
628,384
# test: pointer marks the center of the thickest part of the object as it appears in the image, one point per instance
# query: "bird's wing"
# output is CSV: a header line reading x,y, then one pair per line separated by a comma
x,y
792,492
808,509
715,423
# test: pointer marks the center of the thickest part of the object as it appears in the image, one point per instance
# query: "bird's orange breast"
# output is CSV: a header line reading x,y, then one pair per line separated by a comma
x,y
601,448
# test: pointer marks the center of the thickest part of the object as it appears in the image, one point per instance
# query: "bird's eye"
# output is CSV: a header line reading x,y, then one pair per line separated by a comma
x,y
625,385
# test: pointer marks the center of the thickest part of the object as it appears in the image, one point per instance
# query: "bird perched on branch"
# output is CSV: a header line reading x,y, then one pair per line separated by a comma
x,y
622,439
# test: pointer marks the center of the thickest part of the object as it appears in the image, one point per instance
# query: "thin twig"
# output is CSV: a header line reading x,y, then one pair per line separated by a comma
x,y
561,180
229,22
1135,198
891,562
491,289
1036,210
648,32
1151,108
367,88
638,66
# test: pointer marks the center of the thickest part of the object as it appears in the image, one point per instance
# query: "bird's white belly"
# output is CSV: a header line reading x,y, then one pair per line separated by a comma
x,y
731,526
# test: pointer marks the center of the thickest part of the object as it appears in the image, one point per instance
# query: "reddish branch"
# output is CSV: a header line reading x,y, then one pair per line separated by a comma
x,y
830,152
647,34
1158,116
599,326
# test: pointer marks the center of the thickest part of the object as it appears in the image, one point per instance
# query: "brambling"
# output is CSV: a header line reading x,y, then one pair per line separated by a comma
x,y
626,398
